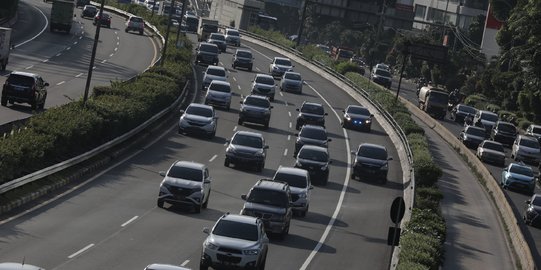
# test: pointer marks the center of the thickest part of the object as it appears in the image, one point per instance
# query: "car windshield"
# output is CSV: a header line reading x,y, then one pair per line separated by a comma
x,y
269,197
489,117
217,37
521,170
294,180
292,76
233,33
247,140
210,28
220,87
136,19
358,110
282,62
258,102
20,80
90,8
237,230
244,54
209,48
466,109
205,112
312,108
372,152
529,143
216,72
191,174
476,131
507,127
536,130
439,97
264,80
314,155
493,146
313,133
537,201
382,72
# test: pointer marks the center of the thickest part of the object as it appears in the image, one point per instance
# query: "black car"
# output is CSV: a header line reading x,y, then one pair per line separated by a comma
x,y
472,136
311,135
371,161
504,132
243,58
461,111
246,148
24,87
89,11
357,117
310,113
532,211
316,160
104,20
255,109
207,53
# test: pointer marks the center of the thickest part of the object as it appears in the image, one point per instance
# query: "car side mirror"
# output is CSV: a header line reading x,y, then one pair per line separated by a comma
x,y
329,140
181,111
272,107
390,158
240,102
371,115
162,173
311,187
297,109
266,147
243,196
330,161
208,180
344,111
326,114
206,230
528,201
215,117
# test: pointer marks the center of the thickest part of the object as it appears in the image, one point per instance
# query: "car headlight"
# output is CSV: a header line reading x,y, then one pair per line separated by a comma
x,y
302,195
250,251
347,117
368,121
275,68
231,149
260,153
210,245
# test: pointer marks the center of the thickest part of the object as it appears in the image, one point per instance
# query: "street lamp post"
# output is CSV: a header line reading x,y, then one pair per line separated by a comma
x,y
93,56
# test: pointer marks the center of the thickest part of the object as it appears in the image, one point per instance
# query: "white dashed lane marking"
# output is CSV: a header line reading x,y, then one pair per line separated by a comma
x,y
129,221
29,67
213,158
80,251
62,82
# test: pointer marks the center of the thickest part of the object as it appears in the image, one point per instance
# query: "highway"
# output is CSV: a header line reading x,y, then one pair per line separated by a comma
x,y
63,60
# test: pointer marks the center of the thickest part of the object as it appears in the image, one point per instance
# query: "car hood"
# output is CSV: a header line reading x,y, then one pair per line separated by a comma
x,y
358,116
529,150
289,81
224,241
493,152
214,77
311,141
245,149
487,123
307,162
197,118
253,108
282,67
216,41
265,208
311,115
263,86
297,190
371,161
218,94
183,183
520,177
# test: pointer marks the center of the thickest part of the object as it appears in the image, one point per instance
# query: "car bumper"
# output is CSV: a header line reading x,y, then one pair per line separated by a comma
x,y
218,102
303,121
267,93
236,158
373,172
191,200
243,64
185,127
277,73
292,88
357,124
519,185
493,159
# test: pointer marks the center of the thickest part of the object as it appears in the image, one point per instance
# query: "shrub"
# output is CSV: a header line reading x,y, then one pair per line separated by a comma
x,y
427,172
345,67
420,249
428,198
492,107
427,222
523,123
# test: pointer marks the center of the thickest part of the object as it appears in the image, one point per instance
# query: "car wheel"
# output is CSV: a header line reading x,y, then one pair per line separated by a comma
x,y
303,213
160,203
261,265
250,69
33,105
4,101
226,162
260,167
197,208
297,126
206,203
284,232
141,32
353,176
272,98
42,105
126,30
266,125
240,121
233,66
202,266
211,135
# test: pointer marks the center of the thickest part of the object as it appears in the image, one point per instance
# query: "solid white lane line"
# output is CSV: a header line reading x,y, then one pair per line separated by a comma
x,y
129,221
29,67
234,79
288,137
213,158
80,251
185,263
281,94
62,82
285,152
75,43
93,67
80,37
78,75
238,86
235,128
111,55
117,43
342,193
45,25
116,49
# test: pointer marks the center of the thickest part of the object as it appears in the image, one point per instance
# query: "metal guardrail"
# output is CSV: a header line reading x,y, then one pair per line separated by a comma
x,y
7,128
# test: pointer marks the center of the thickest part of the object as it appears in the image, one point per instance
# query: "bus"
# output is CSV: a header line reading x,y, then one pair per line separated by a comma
x,y
266,22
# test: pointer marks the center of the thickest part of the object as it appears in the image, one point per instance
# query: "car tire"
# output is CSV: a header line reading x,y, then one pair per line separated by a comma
x,y
33,105
233,66
353,176
41,106
4,101
126,30
260,167
141,32
303,213
206,203
197,208
297,126
240,121
160,203
211,135
250,69
284,232
261,265
272,98
226,162
266,125
202,266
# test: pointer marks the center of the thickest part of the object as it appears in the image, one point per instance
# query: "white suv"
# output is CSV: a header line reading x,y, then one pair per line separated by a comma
x,y
135,23
280,65
300,186
235,241
219,94
527,149
213,73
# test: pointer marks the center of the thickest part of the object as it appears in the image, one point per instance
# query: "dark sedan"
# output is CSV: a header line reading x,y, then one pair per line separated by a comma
x,y
104,20
460,111
357,117
472,136
371,161
316,160
89,11
311,135
532,210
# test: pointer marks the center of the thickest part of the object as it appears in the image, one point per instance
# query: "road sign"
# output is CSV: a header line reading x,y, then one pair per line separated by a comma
x,y
393,237
428,52
398,208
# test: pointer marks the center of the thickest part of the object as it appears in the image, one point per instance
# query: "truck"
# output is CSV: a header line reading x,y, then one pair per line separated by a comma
x,y
433,101
62,13
206,27
5,46
341,53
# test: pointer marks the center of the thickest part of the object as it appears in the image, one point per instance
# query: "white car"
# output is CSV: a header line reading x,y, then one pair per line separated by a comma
x,y
527,149
534,131
291,81
235,241
264,85
219,94
232,36
185,183
300,186
492,152
18,266
213,73
161,266
280,65
198,119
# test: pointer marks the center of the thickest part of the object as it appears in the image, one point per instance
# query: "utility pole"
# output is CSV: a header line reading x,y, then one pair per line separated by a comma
x,y
303,17
164,53
93,56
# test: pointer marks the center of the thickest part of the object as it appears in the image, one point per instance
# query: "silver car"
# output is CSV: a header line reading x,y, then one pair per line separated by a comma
x,y
300,186
219,94
198,119
264,85
280,65
491,152
213,73
291,81
527,149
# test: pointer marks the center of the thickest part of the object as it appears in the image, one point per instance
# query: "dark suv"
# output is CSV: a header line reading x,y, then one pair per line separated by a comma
x,y
316,160
371,161
504,132
255,109
207,53
311,135
23,87
310,113
271,201
243,58
247,148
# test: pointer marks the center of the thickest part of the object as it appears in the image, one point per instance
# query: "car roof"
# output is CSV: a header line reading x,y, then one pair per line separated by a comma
x,y
249,133
514,164
220,82
199,105
22,73
271,184
373,145
216,34
491,141
239,218
207,44
231,30
357,106
133,16
292,72
475,127
264,75
314,147
257,96
189,164
504,122
311,103
281,58
292,170
244,50
161,266
487,112
310,126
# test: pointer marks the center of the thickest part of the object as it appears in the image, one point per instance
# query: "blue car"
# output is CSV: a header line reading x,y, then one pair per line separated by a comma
x,y
518,176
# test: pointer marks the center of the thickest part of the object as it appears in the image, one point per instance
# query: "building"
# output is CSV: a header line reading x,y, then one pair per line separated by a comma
x,y
460,13
238,13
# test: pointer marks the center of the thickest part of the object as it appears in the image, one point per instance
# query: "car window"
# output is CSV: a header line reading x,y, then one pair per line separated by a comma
x,y
466,109
186,173
493,146
209,48
312,108
244,54
293,180
383,72
232,33
220,87
238,230
521,170
20,80
358,110
136,19
537,201
264,80
313,133
372,152
314,155
507,127
247,140
258,102
536,130
199,111
269,197
475,132
216,72
292,76
283,62
217,37
489,117
529,143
